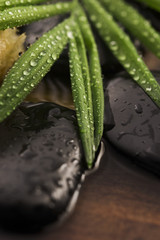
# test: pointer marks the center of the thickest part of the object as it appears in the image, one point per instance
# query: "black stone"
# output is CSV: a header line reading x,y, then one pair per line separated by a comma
x,y
108,115
41,165
137,122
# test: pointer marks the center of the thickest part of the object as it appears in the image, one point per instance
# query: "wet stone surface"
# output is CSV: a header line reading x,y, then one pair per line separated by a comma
x,y
41,165
137,122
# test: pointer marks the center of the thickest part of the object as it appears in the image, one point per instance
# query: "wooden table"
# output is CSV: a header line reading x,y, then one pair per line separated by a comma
x,y
119,202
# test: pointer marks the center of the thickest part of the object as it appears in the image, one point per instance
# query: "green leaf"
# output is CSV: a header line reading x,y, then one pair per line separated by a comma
x,y
123,49
135,23
79,94
95,74
12,3
18,16
86,79
31,68
155,4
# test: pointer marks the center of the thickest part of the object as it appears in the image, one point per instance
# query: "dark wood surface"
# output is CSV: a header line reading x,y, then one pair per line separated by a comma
x,y
120,201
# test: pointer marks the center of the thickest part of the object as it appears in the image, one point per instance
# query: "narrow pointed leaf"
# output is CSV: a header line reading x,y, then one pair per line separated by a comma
x,y
86,79
135,23
95,74
80,100
155,4
31,68
18,16
12,3
123,49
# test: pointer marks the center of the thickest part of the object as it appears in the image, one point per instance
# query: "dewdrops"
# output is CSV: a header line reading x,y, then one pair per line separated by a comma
x,y
7,3
122,57
33,63
148,89
25,73
54,56
136,78
31,68
121,45
70,34
18,16
113,45
127,65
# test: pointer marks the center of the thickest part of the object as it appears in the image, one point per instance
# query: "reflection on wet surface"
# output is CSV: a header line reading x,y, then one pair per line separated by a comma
x,y
118,196
137,129
51,90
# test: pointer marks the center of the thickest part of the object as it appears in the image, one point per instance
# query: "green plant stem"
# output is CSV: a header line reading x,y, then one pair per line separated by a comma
x,y
31,68
135,23
95,74
79,95
18,16
123,49
12,3
155,4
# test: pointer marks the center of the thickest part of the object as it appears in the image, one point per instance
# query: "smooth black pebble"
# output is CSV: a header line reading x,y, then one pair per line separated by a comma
x,y
41,165
137,122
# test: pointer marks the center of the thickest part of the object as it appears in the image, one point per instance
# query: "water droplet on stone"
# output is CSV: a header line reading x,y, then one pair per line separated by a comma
x,y
138,108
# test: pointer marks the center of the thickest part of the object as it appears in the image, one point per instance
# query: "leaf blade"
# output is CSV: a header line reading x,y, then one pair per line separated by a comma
x,y
155,4
79,97
95,74
31,68
135,23
12,3
123,49
18,16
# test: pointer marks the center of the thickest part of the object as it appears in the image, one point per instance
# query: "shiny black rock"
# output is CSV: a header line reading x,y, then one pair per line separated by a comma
x,y
137,122
41,165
